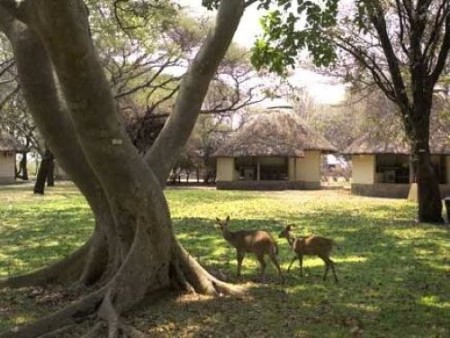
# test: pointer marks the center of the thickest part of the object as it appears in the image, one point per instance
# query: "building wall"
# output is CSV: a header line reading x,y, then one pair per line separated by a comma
x,y
225,169
262,185
308,167
386,190
7,174
392,190
363,171
447,169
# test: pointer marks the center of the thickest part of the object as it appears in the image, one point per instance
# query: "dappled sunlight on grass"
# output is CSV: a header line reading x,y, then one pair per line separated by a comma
x,y
36,230
393,273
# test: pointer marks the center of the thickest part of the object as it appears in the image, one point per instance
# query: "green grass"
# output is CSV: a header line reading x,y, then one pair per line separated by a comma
x,y
394,274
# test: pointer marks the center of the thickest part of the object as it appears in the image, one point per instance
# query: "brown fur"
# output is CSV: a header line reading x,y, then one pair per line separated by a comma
x,y
310,246
258,242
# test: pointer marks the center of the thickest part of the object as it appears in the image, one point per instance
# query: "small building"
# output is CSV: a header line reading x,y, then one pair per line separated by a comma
x,y
274,150
8,148
382,165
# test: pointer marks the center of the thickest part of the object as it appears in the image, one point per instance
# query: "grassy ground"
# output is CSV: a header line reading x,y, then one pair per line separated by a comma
x,y
394,274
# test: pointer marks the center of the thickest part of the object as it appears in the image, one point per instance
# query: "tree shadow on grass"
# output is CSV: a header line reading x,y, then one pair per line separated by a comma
x,y
393,282
46,236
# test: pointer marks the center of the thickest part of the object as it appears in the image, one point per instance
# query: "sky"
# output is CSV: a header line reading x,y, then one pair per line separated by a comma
x,y
321,88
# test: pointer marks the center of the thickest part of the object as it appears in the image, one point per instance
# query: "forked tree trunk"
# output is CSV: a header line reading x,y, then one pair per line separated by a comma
x,y
133,250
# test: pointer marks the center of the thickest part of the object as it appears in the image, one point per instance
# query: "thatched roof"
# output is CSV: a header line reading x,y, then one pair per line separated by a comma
x,y
372,143
9,143
275,132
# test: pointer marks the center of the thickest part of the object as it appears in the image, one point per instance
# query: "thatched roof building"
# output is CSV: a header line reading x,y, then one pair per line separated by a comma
x,y
275,149
395,143
8,148
276,132
381,164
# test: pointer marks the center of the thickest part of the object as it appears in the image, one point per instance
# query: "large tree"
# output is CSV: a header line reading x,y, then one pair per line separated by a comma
x,y
400,45
133,250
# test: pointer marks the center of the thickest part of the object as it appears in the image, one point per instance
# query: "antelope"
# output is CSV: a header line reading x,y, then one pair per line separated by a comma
x,y
311,246
259,242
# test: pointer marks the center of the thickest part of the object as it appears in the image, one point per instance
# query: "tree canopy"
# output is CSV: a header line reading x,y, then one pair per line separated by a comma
x,y
133,250
400,45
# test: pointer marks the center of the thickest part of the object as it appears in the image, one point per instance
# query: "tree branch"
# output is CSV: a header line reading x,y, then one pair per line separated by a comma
x,y
193,89
443,54
379,23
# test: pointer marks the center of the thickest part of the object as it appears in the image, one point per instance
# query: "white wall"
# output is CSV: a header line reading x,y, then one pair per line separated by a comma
x,y
225,169
307,169
7,168
363,169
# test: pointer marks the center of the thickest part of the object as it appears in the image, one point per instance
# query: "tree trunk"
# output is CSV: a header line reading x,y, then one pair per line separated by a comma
x,y
133,250
417,127
429,195
51,172
22,173
24,166
45,171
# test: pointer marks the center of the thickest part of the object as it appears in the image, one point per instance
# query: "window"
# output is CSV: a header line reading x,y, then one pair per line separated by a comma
x,y
392,168
273,168
270,168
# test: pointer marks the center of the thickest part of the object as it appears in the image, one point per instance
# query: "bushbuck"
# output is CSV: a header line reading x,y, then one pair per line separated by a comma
x,y
259,242
311,246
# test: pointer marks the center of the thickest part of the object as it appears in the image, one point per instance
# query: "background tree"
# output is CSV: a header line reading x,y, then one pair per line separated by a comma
x,y
143,50
133,250
400,45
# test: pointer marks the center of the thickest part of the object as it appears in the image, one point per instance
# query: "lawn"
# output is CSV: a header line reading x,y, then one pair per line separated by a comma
x,y
394,274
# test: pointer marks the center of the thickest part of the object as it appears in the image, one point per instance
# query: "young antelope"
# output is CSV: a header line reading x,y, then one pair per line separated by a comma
x,y
311,246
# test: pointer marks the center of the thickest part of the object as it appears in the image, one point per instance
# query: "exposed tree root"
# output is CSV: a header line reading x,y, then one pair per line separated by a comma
x,y
72,314
63,272
130,284
64,331
96,331
200,279
116,325
96,260
128,287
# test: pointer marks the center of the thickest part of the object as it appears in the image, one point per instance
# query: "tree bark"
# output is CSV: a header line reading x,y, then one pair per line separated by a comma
x,y
429,195
55,124
133,250
44,173
51,171
193,89
22,173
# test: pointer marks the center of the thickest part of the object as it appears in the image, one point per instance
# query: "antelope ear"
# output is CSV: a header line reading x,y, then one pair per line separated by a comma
x,y
228,218
217,220
289,226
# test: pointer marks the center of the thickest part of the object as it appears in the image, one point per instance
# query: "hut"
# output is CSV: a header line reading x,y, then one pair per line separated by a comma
x,y
275,150
8,148
382,166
